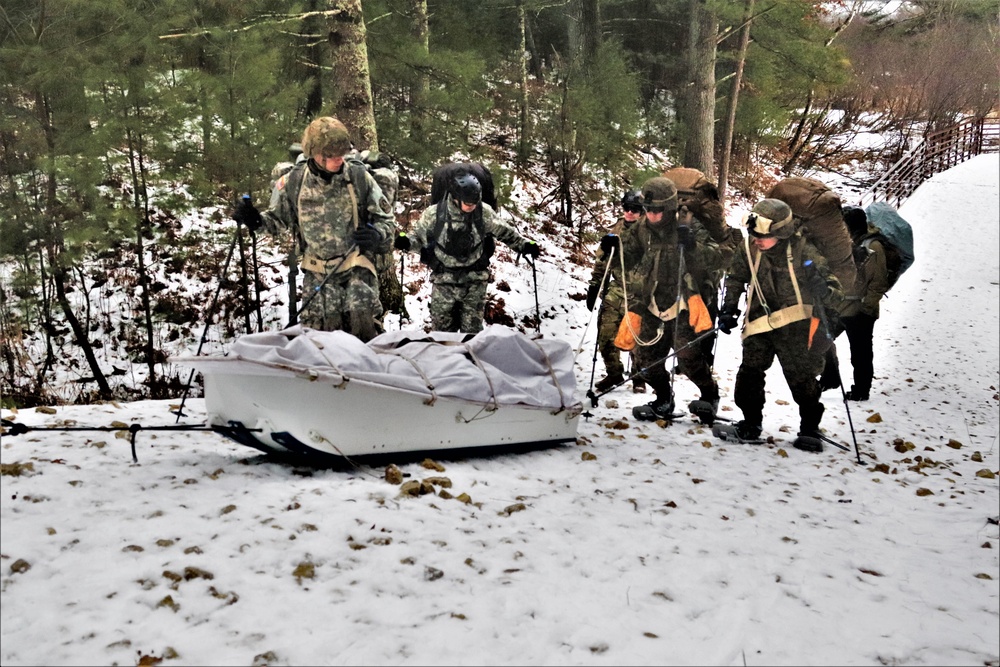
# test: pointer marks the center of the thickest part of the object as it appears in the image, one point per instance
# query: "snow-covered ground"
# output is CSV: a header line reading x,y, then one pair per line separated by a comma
x,y
639,545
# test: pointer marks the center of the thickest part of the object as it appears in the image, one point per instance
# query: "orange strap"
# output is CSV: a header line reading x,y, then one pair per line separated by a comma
x,y
698,315
813,325
630,324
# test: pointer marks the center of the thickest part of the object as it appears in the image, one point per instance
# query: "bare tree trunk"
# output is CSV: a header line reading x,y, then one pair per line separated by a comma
x,y
522,120
590,30
704,28
421,31
734,102
350,79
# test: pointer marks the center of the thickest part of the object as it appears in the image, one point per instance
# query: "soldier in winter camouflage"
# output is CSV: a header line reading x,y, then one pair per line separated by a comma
x,y
613,299
788,283
342,220
456,239
666,264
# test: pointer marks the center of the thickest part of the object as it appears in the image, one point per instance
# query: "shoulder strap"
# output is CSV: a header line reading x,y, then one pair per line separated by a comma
x,y
357,178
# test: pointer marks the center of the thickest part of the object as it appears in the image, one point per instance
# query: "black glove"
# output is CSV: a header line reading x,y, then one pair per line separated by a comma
x,y
816,284
247,214
728,317
685,237
402,242
609,243
531,249
367,238
592,292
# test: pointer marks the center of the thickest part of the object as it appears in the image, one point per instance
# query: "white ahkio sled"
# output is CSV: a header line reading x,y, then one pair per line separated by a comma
x,y
319,394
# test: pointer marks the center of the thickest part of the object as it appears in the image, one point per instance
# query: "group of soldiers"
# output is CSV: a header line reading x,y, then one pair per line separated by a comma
x,y
344,224
658,275
660,270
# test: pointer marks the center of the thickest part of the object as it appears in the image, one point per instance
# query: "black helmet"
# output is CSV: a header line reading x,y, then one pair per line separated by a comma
x,y
856,219
466,188
632,199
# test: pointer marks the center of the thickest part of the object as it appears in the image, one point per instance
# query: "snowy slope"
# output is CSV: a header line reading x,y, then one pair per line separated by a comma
x,y
640,545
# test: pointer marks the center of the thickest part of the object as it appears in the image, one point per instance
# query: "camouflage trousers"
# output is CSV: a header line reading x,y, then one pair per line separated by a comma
x,y
458,306
609,318
691,360
347,302
800,365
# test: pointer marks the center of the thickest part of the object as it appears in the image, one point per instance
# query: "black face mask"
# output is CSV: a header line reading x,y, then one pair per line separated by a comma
x,y
319,171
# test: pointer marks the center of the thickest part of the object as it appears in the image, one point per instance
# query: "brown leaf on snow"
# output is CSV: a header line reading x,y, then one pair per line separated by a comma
x,y
510,509
781,401
875,418
954,444
393,474
432,465
20,566
617,424
16,469
922,491
977,457
983,575
587,456
304,570
45,410
986,473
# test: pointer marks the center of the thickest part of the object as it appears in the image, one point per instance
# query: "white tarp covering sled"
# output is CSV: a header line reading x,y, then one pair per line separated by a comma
x,y
327,392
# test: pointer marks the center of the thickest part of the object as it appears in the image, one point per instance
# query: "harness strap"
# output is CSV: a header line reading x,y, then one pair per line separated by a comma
x,y
314,264
783,317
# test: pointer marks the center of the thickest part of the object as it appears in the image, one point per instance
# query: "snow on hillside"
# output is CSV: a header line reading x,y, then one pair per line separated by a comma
x,y
638,545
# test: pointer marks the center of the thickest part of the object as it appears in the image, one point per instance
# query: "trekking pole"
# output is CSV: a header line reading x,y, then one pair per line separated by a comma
x,y
329,274
597,342
826,325
256,280
211,310
402,297
538,311
593,397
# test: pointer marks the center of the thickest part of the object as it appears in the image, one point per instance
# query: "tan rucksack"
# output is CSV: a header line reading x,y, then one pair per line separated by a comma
x,y
818,213
701,196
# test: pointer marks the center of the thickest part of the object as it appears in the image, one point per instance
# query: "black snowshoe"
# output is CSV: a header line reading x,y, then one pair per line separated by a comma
x,y
741,432
606,383
809,441
654,411
705,411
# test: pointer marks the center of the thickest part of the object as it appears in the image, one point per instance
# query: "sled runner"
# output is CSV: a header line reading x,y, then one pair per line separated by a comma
x,y
318,393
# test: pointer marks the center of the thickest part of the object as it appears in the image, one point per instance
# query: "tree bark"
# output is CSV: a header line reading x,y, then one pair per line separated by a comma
x,y
700,145
590,30
734,99
350,79
522,120
420,28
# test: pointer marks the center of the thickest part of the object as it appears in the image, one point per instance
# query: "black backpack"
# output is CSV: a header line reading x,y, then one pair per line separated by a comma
x,y
448,172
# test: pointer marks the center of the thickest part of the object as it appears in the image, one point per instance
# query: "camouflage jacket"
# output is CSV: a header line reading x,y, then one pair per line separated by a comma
x,y
776,289
321,213
613,294
461,243
652,264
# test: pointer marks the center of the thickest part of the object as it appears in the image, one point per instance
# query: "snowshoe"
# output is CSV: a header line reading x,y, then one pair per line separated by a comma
x,y
651,412
741,432
704,410
856,394
608,382
809,441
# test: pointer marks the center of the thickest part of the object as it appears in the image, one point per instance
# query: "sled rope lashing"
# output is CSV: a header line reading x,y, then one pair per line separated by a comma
x,y
493,392
552,374
319,437
427,381
339,372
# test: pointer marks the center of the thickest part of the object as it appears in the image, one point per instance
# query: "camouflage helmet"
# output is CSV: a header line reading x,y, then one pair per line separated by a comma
x,y
632,198
326,136
770,218
659,194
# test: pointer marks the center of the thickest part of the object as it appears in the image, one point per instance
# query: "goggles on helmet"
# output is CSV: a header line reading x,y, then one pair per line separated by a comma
x,y
759,225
